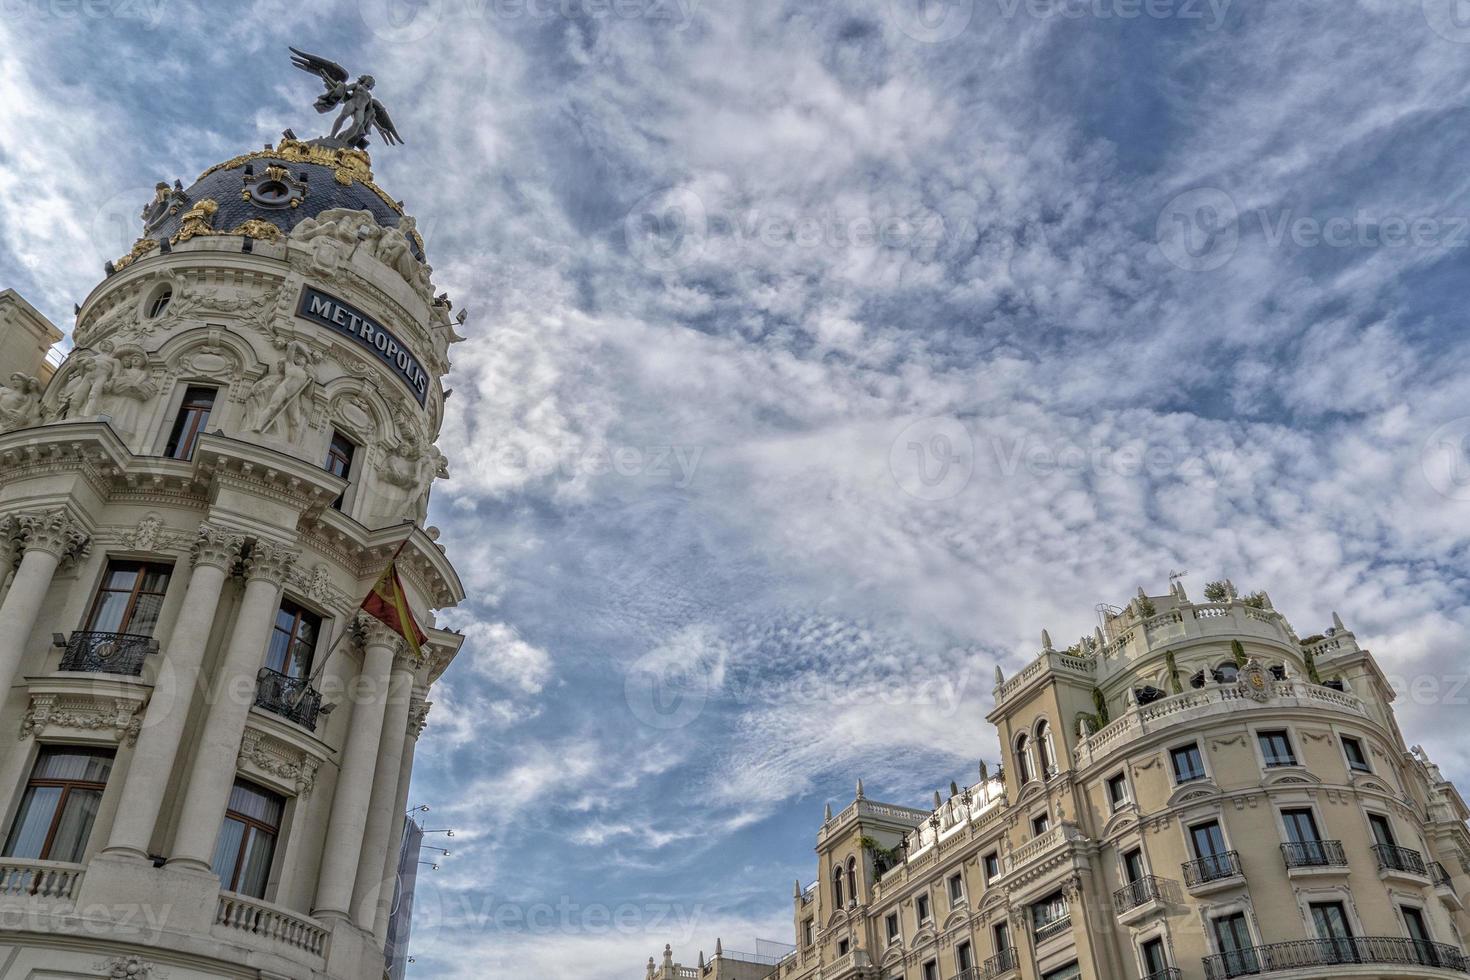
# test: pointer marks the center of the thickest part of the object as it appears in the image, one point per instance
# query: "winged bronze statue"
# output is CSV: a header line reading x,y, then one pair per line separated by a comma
x,y
360,113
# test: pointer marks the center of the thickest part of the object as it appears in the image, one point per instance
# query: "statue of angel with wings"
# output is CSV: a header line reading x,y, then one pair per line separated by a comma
x,y
360,113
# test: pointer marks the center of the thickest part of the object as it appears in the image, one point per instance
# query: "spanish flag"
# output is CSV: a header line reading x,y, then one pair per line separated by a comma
x,y
387,604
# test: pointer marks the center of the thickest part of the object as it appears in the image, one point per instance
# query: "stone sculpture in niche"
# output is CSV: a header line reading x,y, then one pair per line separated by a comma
x,y
279,400
348,231
20,402
82,392
128,385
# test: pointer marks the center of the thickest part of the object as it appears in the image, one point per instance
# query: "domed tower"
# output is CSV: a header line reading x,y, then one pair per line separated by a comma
x,y
215,742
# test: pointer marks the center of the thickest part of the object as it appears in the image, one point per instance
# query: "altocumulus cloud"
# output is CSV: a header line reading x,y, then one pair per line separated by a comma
x,y
968,324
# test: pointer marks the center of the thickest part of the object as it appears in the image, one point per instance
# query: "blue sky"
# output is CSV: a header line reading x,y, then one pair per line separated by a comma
x,y
822,354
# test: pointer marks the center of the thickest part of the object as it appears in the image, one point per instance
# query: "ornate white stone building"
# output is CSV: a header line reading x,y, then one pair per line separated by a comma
x,y
209,747
1194,792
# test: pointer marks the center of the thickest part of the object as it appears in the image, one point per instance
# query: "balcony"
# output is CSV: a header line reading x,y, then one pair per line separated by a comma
x,y
1002,964
1400,862
1300,954
290,697
1313,856
1213,872
1046,931
94,652
272,925
48,882
1167,973
1444,886
1138,898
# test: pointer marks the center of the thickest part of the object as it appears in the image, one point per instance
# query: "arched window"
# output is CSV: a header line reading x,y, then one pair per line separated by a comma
x,y
837,887
1044,749
1278,672
1198,680
852,892
1227,673
1023,760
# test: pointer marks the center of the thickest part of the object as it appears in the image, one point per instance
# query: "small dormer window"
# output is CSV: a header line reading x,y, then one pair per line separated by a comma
x,y
159,301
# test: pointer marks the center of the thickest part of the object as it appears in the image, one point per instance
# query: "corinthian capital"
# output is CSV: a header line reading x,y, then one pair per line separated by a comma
x,y
217,546
270,561
374,633
418,715
53,532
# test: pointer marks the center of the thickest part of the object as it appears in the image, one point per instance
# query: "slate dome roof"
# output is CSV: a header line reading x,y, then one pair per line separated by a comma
x,y
282,186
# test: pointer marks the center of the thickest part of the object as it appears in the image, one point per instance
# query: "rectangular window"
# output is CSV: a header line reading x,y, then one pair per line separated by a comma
x,y
843,945
1069,972
190,422
963,958
1040,824
1382,830
1133,865
921,908
1301,826
59,805
1188,765
891,924
1276,749
808,932
956,889
1426,953
247,840
1118,791
1154,961
1048,911
1002,937
1331,922
293,640
340,453
1213,858
931,970
1237,952
129,598
992,866
1357,759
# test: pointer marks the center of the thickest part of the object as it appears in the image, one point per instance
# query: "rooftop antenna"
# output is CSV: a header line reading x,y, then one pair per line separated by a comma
x,y
1176,576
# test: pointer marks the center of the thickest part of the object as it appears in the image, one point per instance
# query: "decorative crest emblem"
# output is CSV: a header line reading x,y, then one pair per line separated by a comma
x,y
1254,681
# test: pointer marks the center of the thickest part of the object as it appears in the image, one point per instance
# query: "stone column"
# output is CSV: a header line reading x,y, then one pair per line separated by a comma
x,y
215,552
348,823
47,539
418,713
381,804
215,762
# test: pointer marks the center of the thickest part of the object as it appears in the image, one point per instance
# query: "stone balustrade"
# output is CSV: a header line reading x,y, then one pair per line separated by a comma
x,y
236,912
46,880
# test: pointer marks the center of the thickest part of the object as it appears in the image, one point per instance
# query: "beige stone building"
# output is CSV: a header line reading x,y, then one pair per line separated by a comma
x,y
207,747
1194,791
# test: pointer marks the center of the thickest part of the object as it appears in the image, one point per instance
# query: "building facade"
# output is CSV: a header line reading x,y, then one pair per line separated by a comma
x,y
210,746
1194,792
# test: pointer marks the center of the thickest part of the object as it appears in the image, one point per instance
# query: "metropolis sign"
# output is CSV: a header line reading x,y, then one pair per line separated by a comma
x,y
331,312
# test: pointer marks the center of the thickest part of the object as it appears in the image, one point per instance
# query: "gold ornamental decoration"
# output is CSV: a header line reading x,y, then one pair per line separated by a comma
x,y
198,220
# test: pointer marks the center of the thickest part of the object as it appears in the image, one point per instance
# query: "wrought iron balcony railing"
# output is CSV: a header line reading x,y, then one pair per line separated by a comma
x,y
290,697
1314,854
1394,858
1167,973
96,652
1002,963
1135,893
1277,957
1212,867
1439,875
1053,929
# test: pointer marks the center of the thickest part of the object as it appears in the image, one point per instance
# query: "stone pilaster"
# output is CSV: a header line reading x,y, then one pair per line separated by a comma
x,y
382,803
215,551
213,772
